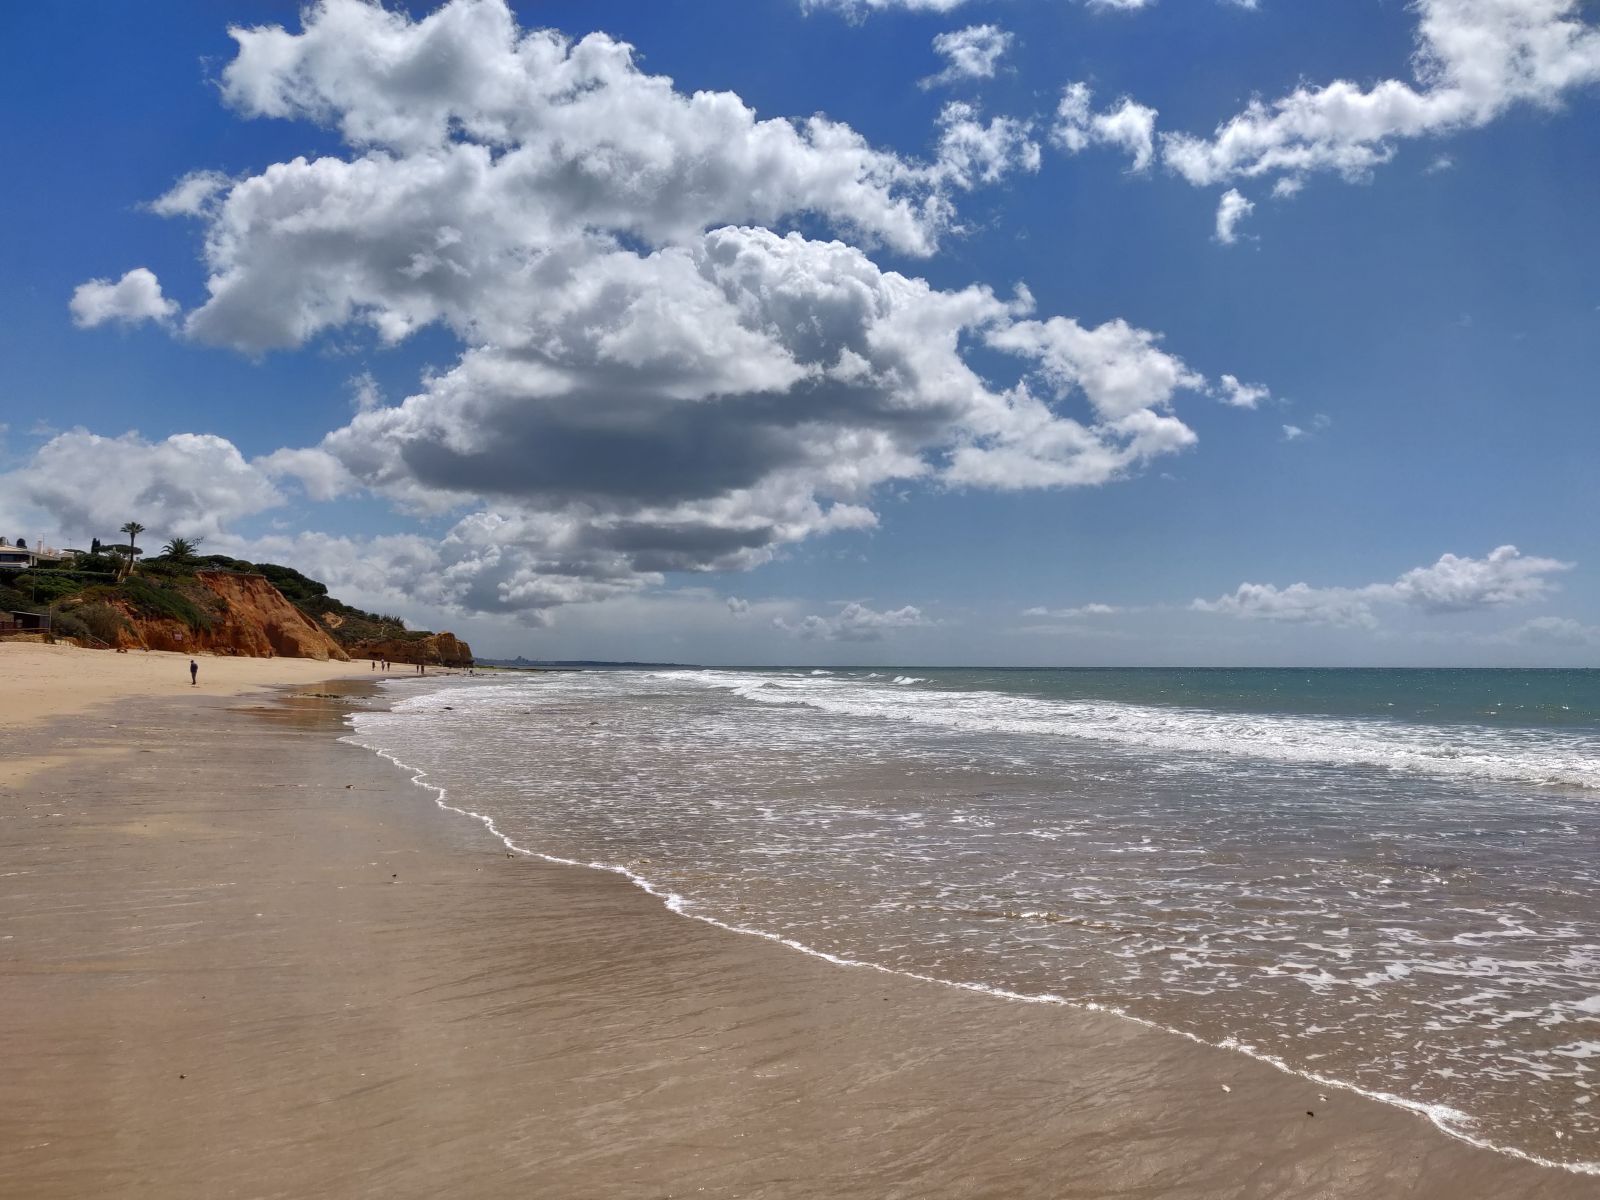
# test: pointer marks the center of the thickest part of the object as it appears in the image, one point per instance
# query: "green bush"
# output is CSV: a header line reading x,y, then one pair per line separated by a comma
x,y
46,587
221,562
101,621
71,625
92,564
10,598
78,571
297,588
167,568
150,599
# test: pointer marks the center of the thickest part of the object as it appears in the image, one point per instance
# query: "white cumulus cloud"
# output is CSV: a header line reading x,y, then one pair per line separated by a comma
x,y
1454,584
1299,602
1503,578
1474,60
134,298
676,353
972,151
1129,126
188,485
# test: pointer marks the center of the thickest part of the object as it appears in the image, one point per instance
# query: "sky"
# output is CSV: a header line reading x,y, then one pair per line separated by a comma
x,y
1011,332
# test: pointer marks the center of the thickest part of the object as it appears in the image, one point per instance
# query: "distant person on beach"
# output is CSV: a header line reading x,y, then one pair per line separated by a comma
x,y
194,673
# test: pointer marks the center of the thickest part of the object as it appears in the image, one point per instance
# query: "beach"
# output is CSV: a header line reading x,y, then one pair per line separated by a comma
x,y
43,682
243,958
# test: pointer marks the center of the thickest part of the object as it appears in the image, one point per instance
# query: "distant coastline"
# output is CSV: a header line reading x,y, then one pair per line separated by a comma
x,y
580,664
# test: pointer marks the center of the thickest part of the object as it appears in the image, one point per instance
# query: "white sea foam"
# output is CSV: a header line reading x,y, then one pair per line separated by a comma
x,y
1540,757
380,733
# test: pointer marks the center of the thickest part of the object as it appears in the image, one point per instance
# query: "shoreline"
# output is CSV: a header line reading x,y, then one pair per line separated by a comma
x,y
531,1023
1439,1117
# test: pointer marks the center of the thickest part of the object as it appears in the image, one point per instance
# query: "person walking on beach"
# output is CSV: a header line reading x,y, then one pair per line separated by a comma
x,y
194,673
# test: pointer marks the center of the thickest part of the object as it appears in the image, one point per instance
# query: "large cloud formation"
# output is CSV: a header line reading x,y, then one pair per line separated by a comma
x,y
677,354
190,485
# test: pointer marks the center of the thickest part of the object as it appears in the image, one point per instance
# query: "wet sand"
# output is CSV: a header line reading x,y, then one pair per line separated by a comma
x,y
241,959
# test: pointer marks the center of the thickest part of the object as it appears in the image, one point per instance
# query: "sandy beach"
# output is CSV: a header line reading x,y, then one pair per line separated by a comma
x,y
240,958
39,682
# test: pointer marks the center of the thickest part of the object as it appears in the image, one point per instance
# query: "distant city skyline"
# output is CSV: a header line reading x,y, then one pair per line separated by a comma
x,y
834,331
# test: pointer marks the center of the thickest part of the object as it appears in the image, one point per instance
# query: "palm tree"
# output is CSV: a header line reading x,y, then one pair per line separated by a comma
x,y
133,529
181,549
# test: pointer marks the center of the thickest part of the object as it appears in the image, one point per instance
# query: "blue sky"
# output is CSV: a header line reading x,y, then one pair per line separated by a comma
x,y
494,326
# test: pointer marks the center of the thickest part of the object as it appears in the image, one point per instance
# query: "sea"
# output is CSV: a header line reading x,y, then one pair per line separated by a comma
x,y
1387,881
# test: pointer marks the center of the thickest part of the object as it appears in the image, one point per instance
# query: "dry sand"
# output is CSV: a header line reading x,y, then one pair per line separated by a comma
x,y
241,959
40,681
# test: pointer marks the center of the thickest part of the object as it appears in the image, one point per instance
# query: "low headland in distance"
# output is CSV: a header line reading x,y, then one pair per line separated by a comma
x,y
579,664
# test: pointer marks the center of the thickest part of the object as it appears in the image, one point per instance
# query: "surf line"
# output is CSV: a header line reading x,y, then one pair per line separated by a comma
x,y
1450,1121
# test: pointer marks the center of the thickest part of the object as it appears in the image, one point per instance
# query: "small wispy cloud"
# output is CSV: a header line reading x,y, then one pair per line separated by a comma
x,y
854,622
1242,395
971,53
1299,433
1082,610
1232,209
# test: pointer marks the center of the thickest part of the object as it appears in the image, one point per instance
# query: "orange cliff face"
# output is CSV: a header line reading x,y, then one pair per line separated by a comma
x,y
256,622
437,649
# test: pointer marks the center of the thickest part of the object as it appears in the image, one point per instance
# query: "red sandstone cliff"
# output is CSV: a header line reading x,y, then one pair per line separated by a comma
x,y
436,649
255,621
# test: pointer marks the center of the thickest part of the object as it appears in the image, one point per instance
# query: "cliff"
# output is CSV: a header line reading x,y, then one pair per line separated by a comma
x,y
219,605
434,649
247,617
